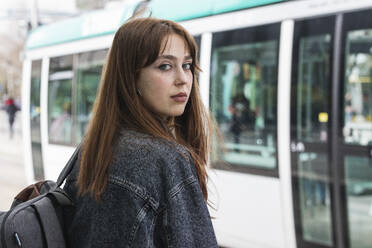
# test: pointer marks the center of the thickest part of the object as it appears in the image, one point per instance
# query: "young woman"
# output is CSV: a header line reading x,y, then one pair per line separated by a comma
x,y
141,176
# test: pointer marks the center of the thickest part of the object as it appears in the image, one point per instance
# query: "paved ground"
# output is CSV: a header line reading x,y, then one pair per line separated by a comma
x,y
12,175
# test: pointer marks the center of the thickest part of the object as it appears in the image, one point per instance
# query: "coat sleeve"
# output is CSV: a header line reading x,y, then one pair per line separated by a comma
x,y
187,221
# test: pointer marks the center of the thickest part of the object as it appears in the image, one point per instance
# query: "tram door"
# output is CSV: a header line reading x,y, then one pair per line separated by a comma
x,y
331,131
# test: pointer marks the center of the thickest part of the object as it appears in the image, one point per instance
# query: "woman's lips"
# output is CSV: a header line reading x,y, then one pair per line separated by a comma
x,y
181,97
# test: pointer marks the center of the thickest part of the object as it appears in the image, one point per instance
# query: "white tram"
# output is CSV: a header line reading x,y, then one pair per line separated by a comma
x,y
290,85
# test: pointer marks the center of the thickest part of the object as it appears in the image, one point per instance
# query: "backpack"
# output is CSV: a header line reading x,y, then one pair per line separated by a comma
x,y
35,219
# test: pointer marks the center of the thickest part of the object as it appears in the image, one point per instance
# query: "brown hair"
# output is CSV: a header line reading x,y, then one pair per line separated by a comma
x,y
137,44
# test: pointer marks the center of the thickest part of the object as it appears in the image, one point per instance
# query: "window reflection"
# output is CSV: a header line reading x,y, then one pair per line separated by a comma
x,y
243,100
60,100
35,100
37,160
88,76
358,88
315,197
312,88
358,177
73,83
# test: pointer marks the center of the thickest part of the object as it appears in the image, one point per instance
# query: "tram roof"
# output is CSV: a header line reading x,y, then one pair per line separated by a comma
x,y
105,22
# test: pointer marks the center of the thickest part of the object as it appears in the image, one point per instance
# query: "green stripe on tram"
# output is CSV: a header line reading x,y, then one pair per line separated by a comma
x,y
186,10
105,22
93,24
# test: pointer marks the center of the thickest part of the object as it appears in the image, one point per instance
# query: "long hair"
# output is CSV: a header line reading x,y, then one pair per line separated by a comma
x,y
137,44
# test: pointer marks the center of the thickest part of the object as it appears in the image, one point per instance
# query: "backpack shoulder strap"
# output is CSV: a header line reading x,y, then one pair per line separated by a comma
x,y
68,167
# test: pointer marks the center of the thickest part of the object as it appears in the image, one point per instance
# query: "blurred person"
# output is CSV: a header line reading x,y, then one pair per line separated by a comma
x,y
60,127
11,109
243,118
141,180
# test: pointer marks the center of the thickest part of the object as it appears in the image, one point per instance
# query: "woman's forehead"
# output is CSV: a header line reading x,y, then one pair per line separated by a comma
x,y
172,42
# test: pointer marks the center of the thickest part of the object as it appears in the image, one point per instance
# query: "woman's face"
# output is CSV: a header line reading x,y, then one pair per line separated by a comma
x,y
165,85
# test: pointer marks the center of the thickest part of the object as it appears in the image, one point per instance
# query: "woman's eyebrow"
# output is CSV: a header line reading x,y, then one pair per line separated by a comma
x,y
171,57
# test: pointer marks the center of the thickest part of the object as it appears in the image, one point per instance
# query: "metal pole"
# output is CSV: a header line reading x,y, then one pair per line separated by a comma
x,y
339,213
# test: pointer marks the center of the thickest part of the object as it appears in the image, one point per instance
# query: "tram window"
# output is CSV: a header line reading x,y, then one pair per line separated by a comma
x,y
60,99
358,174
358,88
37,160
244,95
314,196
35,100
89,71
313,88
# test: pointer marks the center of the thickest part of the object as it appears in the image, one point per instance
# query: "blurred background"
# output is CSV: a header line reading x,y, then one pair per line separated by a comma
x,y
289,83
17,19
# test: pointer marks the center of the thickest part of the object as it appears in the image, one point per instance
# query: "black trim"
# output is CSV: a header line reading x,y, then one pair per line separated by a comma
x,y
316,147
307,244
340,222
246,35
363,151
357,20
306,28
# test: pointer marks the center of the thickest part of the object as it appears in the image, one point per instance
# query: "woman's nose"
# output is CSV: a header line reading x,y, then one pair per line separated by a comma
x,y
182,77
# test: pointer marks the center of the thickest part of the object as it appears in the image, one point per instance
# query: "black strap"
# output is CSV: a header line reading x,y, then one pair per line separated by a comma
x,y
68,167
48,218
61,197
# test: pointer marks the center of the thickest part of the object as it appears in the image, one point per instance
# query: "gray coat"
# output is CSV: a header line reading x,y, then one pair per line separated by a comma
x,y
153,199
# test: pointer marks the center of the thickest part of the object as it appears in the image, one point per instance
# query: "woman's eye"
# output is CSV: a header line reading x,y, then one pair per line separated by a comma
x,y
187,66
164,67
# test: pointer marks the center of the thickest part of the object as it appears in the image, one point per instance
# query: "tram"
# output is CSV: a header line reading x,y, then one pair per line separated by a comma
x,y
290,86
